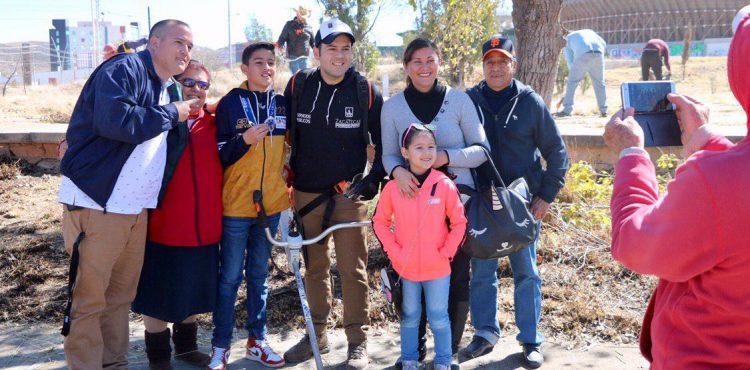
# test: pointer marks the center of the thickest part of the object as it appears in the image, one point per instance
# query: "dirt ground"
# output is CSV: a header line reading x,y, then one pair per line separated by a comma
x,y
588,298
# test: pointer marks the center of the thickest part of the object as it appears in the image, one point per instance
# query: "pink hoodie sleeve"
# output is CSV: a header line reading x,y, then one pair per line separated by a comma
x,y
718,144
675,237
381,223
454,209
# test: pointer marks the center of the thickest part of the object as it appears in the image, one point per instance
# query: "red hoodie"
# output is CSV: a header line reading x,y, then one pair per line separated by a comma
x,y
695,240
190,213
421,245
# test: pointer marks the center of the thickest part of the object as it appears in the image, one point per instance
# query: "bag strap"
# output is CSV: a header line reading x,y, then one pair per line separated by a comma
x,y
364,95
72,277
495,172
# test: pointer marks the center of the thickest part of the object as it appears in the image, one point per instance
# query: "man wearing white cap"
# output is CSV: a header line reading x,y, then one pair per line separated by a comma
x,y
334,115
297,38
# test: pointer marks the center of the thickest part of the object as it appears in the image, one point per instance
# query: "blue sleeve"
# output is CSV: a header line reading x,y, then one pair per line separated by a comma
x,y
117,115
552,147
569,57
231,145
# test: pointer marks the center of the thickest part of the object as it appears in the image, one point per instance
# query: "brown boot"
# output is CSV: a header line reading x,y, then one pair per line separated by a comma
x,y
185,338
356,357
158,350
302,351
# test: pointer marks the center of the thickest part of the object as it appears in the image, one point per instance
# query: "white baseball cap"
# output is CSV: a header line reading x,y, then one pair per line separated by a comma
x,y
739,17
330,29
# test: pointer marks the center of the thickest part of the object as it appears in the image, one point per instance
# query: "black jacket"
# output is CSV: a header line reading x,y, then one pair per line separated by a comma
x,y
298,38
520,135
329,144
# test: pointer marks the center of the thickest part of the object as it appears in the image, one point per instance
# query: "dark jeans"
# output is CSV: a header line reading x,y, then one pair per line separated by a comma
x,y
651,59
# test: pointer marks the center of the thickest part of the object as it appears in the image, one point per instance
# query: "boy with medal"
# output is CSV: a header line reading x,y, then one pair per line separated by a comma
x,y
251,124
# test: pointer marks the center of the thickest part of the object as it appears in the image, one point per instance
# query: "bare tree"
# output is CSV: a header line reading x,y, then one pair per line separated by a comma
x,y
539,39
10,78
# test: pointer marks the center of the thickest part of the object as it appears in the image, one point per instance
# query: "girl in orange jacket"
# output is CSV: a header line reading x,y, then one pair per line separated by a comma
x,y
422,243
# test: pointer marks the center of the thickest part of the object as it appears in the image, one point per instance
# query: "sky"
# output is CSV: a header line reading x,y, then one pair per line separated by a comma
x,y
30,20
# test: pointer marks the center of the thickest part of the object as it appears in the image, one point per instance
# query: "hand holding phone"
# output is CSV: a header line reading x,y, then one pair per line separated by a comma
x,y
653,111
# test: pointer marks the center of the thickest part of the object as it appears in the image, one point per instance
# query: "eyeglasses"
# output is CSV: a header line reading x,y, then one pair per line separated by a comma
x,y
418,127
189,82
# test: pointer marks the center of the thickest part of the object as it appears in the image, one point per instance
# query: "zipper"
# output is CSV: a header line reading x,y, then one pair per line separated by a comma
x,y
195,186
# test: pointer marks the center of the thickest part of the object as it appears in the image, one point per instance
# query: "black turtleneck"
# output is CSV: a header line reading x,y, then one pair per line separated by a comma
x,y
425,105
421,178
497,99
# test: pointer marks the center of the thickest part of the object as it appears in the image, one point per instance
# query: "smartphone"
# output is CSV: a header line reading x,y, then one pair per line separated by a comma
x,y
653,112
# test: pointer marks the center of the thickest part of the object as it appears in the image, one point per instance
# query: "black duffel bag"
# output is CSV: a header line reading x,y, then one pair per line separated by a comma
x,y
500,222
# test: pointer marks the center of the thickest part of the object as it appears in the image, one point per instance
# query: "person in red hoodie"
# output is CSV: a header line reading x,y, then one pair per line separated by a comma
x,y
422,243
181,262
693,238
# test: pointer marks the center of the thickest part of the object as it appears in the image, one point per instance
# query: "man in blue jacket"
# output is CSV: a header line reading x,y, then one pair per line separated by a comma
x,y
521,132
113,172
584,53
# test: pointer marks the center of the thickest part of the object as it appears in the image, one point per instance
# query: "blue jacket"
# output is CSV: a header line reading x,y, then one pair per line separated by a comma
x,y
520,135
118,109
581,42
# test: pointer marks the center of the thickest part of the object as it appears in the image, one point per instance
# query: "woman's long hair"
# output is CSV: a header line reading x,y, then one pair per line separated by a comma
x,y
414,45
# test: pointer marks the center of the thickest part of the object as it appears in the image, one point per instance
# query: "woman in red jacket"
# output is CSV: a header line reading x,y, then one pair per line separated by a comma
x,y
422,244
180,266
695,237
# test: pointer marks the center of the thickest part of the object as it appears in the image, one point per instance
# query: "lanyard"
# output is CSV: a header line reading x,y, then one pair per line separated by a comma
x,y
270,107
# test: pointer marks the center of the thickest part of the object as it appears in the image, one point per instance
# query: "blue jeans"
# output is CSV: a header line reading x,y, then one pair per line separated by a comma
x,y
593,64
527,295
436,300
296,65
243,246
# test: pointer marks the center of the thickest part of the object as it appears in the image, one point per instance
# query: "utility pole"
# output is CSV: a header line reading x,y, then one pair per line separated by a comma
x,y
229,32
26,64
95,30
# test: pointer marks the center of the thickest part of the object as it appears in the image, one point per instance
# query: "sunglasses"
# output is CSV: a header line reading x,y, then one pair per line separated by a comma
x,y
189,82
417,127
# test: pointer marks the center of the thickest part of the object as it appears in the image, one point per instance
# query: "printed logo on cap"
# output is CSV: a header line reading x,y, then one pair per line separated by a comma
x,y
495,42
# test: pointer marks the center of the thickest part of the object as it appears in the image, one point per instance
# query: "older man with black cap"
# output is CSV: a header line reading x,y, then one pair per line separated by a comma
x,y
334,112
521,132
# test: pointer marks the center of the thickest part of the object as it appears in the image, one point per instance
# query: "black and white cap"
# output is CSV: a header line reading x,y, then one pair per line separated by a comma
x,y
330,29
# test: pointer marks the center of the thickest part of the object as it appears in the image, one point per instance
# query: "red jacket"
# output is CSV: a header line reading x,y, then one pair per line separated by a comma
x,y
421,245
190,213
696,240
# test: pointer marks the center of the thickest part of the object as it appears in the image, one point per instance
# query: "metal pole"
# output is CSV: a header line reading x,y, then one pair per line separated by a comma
x,y
229,32
148,9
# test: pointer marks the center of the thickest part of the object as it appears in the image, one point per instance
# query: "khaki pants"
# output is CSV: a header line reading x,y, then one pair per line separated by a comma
x,y
351,260
111,256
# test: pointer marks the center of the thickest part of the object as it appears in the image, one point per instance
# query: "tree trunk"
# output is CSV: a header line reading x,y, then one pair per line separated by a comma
x,y
539,39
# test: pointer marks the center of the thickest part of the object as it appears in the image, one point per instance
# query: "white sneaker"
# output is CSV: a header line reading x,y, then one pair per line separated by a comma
x,y
219,358
258,350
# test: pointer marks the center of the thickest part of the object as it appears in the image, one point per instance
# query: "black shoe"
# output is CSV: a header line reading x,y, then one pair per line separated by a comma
x,y
533,355
185,339
603,115
158,350
477,348
561,114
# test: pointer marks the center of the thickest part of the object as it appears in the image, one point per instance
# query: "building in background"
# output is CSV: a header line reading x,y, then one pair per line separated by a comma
x,y
628,25
74,47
